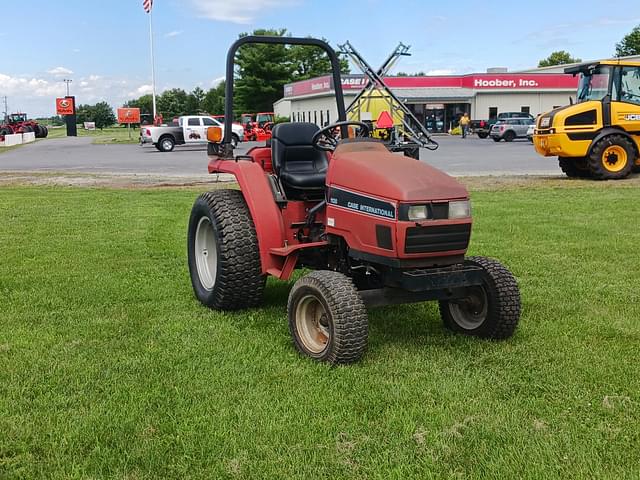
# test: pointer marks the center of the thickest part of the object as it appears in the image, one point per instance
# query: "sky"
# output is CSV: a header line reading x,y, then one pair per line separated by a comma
x,y
103,46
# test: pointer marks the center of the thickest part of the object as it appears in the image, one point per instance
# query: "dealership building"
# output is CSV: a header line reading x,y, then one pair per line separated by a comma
x,y
439,101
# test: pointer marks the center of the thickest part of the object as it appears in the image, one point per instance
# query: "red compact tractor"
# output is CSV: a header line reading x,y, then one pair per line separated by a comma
x,y
18,123
257,127
375,228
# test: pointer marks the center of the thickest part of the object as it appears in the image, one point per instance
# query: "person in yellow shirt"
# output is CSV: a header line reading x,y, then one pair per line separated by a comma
x,y
464,124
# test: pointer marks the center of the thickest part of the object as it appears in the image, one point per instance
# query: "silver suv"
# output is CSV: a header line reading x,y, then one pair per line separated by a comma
x,y
510,129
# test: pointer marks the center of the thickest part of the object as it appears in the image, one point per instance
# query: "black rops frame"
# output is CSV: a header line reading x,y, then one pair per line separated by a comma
x,y
227,146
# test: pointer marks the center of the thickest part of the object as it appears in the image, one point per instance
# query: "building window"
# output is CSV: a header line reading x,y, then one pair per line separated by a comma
x,y
493,113
525,109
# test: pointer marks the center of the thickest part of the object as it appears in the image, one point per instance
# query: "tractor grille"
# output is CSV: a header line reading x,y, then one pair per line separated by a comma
x,y
440,238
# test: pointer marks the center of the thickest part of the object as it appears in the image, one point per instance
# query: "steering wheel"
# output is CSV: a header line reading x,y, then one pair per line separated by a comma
x,y
326,139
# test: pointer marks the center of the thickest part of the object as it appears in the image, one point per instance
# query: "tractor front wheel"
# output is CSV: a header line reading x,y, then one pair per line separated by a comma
x,y
327,318
491,310
612,158
223,252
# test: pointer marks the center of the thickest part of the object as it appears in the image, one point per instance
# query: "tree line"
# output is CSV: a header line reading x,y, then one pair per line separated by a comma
x,y
260,76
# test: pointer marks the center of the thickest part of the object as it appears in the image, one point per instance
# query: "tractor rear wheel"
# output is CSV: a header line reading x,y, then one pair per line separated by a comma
x,y
327,318
223,252
612,158
46,132
574,167
491,310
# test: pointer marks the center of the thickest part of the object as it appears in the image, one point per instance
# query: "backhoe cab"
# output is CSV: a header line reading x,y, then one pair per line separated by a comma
x,y
598,136
374,227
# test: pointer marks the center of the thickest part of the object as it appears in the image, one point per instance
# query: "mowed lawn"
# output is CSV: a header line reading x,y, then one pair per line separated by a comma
x,y
109,368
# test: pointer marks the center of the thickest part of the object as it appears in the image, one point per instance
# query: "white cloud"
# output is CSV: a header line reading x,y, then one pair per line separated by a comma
x,y
60,71
236,12
175,33
216,81
144,90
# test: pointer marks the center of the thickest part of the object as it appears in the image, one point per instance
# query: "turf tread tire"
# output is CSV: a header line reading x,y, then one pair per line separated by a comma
x,y
598,171
347,312
503,313
239,281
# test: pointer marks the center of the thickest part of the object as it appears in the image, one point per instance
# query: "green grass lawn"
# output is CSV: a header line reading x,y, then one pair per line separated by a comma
x,y
109,368
107,135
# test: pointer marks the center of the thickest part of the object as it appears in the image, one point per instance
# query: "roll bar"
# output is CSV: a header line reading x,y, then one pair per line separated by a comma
x,y
227,147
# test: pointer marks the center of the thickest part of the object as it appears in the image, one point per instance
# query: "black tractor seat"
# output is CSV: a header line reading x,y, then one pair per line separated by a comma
x,y
302,169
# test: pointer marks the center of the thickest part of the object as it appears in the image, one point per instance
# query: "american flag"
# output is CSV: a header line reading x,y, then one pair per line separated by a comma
x,y
147,4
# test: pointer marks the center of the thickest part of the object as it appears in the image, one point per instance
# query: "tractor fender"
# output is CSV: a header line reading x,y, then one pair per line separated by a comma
x,y
605,132
265,213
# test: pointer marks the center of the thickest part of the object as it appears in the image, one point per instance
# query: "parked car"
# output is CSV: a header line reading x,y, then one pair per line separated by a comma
x,y
511,129
483,127
189,130
530,131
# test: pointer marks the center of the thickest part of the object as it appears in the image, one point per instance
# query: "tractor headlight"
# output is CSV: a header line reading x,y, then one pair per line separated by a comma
x,y
417,212
545,122
460,209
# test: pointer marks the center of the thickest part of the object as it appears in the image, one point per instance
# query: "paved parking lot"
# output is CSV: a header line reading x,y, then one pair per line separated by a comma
x,y
471,156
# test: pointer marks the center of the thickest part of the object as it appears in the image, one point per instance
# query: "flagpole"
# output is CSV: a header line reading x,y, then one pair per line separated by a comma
x,y
153,68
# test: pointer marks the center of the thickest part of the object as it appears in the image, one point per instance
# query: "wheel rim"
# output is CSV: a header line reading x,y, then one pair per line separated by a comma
x,y
312,324
614,158
206,253
166,145
470,312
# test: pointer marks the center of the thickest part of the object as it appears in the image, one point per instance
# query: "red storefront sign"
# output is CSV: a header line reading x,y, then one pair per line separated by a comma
x,y
475,81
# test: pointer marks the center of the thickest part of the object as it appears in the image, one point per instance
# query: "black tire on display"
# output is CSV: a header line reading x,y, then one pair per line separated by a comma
x,y
509,136
46,132
38,131
574,167
27,129
327,318
491,310
166,144
5,131
223,252
612,158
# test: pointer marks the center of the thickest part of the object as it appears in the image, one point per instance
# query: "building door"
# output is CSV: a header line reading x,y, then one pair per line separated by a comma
x,y
434,117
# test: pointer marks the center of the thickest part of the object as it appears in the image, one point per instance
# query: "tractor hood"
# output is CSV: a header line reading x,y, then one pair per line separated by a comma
x,y
368,167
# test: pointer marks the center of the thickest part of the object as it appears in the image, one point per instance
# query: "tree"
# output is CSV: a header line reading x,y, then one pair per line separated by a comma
x,y
144,103
194,100
308,62
173,103
213,102
262,72
630,44
559,57
102,114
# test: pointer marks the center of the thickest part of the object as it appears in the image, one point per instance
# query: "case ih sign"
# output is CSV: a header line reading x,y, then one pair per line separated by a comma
x,y
475,81
64,106
128,115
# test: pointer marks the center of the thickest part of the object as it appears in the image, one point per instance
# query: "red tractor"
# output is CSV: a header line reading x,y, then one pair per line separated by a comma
x,y
257,127
375,228
18,123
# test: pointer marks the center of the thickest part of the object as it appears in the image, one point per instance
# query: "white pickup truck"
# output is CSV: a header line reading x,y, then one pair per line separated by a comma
x,y
191,130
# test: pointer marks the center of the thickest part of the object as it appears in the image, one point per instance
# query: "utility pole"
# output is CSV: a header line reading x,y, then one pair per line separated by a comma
x,y
67,81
